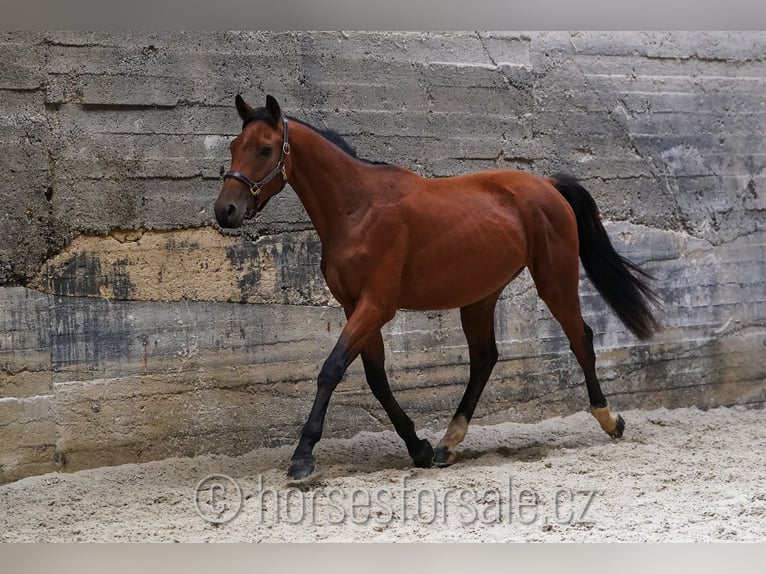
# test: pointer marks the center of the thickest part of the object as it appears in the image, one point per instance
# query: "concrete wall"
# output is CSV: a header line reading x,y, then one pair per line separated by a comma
x,y
132,329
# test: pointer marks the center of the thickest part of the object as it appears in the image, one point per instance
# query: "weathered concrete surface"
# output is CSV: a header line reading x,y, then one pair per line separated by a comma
x,y
189,265
132,329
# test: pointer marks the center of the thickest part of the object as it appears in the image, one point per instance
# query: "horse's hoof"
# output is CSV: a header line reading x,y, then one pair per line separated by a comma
x,y
619,428
443,457
301,469
425,457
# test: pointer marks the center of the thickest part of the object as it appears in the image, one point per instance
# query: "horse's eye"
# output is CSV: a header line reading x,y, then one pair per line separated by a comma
x,y
266,151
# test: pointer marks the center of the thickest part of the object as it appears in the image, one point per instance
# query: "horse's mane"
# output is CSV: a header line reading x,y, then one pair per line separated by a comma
x,y
261,114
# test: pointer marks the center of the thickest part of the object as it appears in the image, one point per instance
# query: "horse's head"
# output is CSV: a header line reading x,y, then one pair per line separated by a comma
x,y
258,163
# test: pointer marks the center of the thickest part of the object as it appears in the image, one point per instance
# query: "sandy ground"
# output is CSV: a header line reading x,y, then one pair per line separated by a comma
x,y
676,475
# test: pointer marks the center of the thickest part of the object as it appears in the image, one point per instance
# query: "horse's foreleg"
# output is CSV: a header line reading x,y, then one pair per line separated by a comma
x,y
302,462
373,357
364,322
478,322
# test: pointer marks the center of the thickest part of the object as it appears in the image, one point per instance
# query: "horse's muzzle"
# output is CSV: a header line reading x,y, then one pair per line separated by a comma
x,y
230,215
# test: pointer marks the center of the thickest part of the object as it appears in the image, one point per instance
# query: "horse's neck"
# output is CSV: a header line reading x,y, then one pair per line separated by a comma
x,y
326,180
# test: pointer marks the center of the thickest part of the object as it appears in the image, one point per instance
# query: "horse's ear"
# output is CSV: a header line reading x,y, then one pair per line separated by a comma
x,y
273,108
243,107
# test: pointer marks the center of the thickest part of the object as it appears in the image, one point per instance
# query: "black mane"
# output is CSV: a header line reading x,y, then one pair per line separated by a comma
x,y
261,114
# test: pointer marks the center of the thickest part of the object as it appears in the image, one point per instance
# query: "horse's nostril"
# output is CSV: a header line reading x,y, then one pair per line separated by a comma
x,y
232,210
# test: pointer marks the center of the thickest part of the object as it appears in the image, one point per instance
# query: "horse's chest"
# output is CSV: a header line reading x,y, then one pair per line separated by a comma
x,y
333,273
345,275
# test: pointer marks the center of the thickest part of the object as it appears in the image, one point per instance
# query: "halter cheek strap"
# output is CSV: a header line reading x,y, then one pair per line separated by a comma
x,y
257,186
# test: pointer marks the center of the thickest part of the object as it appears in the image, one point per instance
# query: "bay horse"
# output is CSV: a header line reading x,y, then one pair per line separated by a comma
x,y
392,239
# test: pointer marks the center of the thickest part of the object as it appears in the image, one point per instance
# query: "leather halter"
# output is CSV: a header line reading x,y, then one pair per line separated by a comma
x,y
256,187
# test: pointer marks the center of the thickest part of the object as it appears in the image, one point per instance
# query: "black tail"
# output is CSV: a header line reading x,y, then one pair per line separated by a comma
x,y
619,281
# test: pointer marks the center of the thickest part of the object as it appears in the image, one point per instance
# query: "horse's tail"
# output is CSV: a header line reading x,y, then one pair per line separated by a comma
x,y
621,282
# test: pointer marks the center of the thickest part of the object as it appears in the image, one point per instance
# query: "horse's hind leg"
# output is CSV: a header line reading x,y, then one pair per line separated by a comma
x,y
557,284
478,322
373,358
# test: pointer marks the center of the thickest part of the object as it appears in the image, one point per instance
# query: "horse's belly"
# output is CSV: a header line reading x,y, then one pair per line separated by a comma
x,y
458,280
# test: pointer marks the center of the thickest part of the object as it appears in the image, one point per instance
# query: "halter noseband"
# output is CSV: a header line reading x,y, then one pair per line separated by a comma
x,y
257,186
